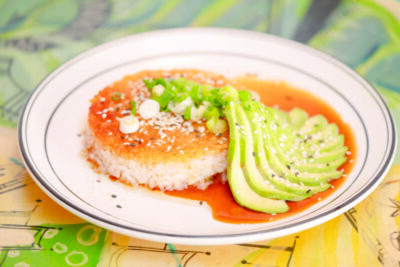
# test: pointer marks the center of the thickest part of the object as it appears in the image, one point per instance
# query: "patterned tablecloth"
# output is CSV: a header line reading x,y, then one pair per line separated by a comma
x,y
36,36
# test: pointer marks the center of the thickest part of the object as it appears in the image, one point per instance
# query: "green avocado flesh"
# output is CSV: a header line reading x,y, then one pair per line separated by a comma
x,y
276,156
240,188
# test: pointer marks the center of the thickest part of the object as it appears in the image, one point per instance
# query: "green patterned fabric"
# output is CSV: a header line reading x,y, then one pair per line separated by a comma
x,y
37,36
57,245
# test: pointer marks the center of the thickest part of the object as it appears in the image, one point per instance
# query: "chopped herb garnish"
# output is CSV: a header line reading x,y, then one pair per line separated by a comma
x,y
116,96
133,108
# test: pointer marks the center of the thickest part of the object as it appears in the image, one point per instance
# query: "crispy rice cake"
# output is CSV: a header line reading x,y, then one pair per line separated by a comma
x,y
166,152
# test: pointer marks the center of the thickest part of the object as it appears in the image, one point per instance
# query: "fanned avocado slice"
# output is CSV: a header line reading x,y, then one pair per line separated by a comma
x,y
264,168
241,191
292,161
254,178
297,117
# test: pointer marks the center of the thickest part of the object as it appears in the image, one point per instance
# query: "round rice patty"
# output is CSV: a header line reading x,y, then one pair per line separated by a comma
x,y
164,176
167,152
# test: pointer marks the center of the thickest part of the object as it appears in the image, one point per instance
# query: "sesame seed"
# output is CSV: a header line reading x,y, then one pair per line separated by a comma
x,y
206,148
104,115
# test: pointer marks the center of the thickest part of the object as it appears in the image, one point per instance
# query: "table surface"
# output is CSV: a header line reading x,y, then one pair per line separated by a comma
x,y
37,36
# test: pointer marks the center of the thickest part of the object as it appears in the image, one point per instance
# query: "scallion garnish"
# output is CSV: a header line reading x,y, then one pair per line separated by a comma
x,y
245,95
196,101
211,112
188,113
216,125
116,96
150,83
133,107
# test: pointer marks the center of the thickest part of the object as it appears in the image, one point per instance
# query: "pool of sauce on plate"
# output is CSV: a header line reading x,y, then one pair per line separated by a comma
x,y
218,195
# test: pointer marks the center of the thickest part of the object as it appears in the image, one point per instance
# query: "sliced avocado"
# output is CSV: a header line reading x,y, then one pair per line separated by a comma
x,y
284,168
313,125
278,155
241,191
254,178
263,166
291,161
335,142
332,155
297,117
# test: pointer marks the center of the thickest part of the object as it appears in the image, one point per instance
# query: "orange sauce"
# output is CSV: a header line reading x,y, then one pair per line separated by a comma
x,y
218,195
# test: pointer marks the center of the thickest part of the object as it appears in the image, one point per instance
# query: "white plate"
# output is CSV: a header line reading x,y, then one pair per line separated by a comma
x,y
56,113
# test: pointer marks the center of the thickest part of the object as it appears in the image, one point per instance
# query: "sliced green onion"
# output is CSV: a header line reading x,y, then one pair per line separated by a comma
x,y
161,81
149,83
180,107
195,93
216,125
205,91
167,95
180,97
245,95
188,112
133,108
157,90
116,96
197,113
229,93
179,83
189,85
211,112
221,113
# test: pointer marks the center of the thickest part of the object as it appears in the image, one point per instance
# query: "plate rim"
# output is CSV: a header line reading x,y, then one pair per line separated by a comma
x,y
224,238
